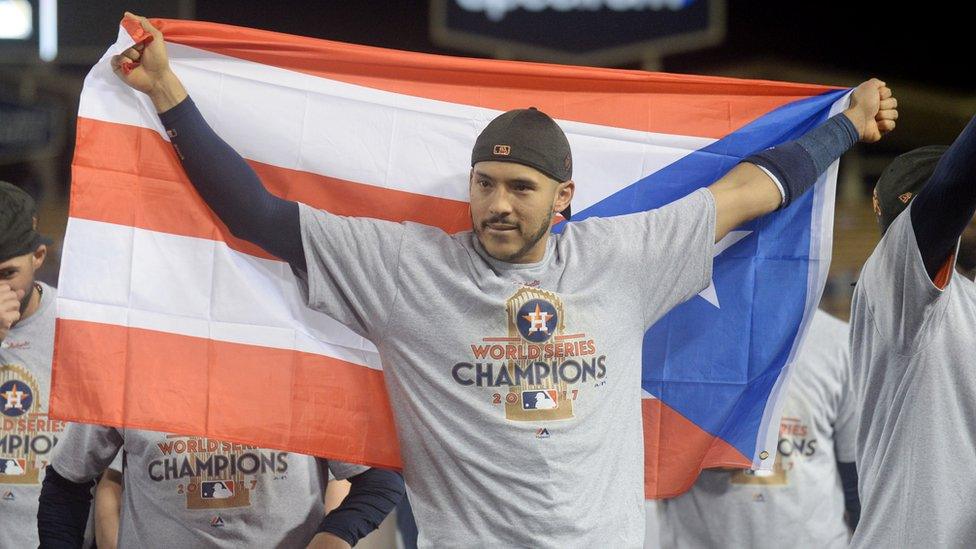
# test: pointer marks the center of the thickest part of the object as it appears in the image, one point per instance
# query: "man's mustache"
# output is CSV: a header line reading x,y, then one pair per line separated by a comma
x,y
498,220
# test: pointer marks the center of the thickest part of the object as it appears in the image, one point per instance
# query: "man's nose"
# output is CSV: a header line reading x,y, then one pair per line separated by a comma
x,y
500,202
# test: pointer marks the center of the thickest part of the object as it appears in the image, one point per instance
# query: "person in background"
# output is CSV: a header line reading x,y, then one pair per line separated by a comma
x,y
27,311
913,331
809,499
187,491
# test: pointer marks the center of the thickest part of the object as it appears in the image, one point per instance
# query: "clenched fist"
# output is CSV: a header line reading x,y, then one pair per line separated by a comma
x,y
145,67
873,110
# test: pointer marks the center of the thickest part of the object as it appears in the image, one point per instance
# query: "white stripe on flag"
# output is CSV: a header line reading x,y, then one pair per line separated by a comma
x,y
364,135
194,287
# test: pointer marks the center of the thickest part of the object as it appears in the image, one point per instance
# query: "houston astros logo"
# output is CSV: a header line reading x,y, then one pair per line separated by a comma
x,y
537,320
16,397
31,434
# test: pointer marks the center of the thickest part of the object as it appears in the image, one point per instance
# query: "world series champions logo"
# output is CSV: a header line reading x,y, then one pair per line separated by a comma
x,y
537,368
27,434
536,316
214,474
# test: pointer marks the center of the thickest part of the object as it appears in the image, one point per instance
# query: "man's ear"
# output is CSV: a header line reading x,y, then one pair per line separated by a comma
x,y
37,258
564,195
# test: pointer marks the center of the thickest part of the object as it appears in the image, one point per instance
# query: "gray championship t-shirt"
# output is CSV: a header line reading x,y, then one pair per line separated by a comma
x,y
27,436
187,491
800,502
912,350
515,388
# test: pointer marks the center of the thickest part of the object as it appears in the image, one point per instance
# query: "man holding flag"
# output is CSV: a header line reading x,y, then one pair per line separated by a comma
x,y
533,439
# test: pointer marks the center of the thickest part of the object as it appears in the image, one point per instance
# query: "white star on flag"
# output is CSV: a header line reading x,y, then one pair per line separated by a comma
x,y
708,294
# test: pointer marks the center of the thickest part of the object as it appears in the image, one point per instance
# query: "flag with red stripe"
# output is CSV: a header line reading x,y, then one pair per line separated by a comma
x,y
167,322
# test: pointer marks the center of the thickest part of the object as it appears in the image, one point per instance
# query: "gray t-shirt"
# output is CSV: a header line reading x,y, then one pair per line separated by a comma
x,y
27,436
800,503
187,491
912,350
515,388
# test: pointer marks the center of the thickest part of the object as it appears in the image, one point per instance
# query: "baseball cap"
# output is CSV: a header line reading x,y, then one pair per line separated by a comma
x,y
18,222
901,181
528,137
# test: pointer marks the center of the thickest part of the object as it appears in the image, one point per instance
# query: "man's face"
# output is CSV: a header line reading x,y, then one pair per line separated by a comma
x,y
512,207
18,273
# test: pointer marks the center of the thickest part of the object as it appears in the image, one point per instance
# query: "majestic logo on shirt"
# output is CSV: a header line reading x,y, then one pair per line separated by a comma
x,y
8,496
214,474
536,363
217,522
542,432
16,397
26,435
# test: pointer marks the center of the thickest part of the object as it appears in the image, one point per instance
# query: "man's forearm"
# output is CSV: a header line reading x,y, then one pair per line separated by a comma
x,y
848,483
796,165
773,178
108,505
62,512
372,496
231,188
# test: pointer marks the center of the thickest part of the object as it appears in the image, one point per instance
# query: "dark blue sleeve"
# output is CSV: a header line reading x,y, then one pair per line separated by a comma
x,y
947,202
62,511
374,493
798,164
231,188
848,482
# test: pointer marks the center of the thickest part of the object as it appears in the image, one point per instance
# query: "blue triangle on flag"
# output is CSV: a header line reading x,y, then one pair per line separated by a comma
x,y
717,366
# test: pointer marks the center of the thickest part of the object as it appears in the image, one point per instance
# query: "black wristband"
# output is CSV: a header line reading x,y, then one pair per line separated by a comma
x,y
797,164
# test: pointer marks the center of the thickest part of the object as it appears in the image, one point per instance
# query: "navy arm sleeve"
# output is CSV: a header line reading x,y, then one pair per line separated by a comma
x,y
374,493
947,202
848,482
797,164
231,188
62,511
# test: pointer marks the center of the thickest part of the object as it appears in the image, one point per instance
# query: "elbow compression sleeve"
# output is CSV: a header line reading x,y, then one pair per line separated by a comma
x,y
231,188
62,511
372,495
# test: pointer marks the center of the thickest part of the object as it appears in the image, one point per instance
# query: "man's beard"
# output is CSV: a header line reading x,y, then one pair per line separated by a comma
x,y
529,244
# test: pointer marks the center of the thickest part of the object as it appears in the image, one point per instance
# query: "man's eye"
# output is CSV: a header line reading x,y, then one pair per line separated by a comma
x,y
7,274
484,182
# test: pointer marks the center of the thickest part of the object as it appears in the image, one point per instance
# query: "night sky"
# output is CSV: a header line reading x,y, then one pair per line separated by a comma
x,y
920,46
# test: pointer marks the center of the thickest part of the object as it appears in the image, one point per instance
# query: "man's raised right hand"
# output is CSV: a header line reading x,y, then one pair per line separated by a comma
x,y
145,67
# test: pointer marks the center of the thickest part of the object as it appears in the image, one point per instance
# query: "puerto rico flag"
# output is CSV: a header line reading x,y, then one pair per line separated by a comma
x,y
167,322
